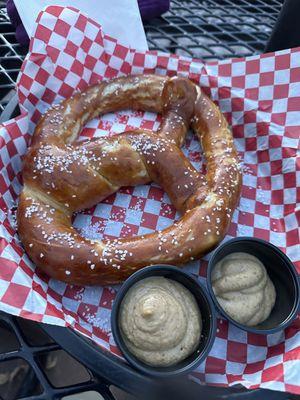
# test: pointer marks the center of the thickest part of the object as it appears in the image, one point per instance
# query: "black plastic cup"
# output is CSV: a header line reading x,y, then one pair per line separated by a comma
x,y
207,311
281,272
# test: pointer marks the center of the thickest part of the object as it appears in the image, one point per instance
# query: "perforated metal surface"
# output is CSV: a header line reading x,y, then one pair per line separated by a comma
x,y
11,56
209,29
214,29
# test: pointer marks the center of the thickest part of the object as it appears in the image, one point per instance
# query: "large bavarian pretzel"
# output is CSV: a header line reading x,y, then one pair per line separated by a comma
x,y
62,176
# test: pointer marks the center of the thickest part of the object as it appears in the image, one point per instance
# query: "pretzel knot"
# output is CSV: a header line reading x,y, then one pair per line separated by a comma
x,y
62,176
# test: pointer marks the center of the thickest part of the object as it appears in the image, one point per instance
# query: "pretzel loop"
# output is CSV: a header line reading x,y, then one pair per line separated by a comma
x,y
62,176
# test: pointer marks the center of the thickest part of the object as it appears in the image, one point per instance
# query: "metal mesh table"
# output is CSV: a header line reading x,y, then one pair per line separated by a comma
x,y
208,29
214,29
11,56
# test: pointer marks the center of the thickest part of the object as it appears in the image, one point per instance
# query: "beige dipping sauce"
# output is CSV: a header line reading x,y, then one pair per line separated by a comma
x,y
243,288
160,321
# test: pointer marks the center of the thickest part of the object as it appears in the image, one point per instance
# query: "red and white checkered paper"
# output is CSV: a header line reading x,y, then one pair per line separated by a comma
x,y
260,97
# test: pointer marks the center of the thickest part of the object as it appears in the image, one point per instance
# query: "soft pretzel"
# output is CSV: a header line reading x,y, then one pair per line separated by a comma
x,y
62,176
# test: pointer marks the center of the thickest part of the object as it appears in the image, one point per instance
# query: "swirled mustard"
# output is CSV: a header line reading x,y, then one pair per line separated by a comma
x,y
243,288
160,321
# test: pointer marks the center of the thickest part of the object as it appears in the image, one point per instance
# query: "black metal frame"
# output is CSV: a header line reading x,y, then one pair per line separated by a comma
x,y
35,375
11,58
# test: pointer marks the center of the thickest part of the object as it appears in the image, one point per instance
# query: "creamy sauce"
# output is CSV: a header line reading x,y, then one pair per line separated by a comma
x,y
243,288
160,321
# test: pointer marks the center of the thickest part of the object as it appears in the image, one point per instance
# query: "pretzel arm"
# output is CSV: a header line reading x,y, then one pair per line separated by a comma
x,y
178,108
223,172
63,122
52,240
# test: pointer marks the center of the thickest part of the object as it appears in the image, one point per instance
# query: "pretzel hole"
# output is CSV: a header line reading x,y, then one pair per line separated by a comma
x,y
118,122
119,214
131,211
124,214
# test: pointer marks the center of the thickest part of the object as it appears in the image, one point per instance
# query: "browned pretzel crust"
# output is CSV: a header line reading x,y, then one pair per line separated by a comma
x,y
61,177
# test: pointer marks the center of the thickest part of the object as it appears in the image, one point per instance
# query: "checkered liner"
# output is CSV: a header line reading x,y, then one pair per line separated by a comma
x,y
260,98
